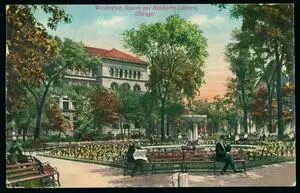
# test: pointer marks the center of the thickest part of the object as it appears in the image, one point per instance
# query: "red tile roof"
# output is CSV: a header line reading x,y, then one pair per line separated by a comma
x,y
114,54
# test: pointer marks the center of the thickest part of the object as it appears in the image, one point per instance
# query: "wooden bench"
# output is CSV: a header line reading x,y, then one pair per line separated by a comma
x,y
204,156
198,157
23,172
50,171
32,170
162,158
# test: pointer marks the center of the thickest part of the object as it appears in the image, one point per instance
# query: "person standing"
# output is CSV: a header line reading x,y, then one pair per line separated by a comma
x,y
223,155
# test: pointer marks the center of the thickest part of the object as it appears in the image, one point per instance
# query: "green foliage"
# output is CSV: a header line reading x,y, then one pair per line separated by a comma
x,y
29,46
271,28
175,49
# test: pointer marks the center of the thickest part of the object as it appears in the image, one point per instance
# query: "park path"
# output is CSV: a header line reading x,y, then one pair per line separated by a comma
x,y
78,174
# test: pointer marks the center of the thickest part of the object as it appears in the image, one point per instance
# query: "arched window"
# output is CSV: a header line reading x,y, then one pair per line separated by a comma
x,y
139,75
116,72
137,87
134,74
126,86
114,86
111,71
130,73
125,73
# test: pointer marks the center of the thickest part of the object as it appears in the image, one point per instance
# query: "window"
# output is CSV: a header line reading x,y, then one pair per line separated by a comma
x,y
130,73
76,71
121,73
114,86
134,74
116,72
111,71
74,118
67,117
139,75
136,87
125,73
126,86
65,103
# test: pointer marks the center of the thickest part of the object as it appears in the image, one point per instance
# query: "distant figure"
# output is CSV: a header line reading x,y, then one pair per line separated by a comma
x,y
179,136
15,154
151,139
237,139
263,137
223,155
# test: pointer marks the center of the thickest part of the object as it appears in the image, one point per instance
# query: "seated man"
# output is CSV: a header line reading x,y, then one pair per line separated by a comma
x,y
133,156
223,155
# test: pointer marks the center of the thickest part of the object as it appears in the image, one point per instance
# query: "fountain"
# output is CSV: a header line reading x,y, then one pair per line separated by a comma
x,y
193,132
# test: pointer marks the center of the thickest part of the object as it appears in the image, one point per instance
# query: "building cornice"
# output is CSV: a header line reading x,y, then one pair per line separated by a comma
x,y
117,78
77,77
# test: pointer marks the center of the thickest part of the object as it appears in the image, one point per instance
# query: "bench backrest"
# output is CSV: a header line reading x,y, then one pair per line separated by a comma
x,y
22,170
199,155
165,156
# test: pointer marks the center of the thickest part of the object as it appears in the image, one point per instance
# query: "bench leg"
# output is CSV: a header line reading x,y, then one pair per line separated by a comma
x,y
215,168
58,179
244,167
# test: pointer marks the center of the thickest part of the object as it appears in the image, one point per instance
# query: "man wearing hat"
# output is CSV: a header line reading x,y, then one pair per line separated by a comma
x,y
223,155
136,156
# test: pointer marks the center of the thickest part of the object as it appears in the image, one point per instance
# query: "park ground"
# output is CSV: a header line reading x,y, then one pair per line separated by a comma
x,y
78,174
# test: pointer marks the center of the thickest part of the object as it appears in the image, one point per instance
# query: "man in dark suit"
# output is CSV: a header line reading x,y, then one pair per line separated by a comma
x,y
223,155
138,163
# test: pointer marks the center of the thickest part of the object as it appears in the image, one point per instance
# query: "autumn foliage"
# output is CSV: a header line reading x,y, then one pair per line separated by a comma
x,y
104,105
56,118
29,48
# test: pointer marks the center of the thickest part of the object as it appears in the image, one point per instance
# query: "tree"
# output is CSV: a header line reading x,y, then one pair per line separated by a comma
x,y
78,95
232,110
170,47
173,111
130,106
149,111
72,55
29,47
105,107
57,120
274,24
241,64
25,115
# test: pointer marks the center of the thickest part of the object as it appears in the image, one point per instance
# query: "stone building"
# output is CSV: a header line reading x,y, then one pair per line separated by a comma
x,y
116,69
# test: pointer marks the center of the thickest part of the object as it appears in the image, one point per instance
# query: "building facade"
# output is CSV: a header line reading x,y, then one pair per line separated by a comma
x,y
116,69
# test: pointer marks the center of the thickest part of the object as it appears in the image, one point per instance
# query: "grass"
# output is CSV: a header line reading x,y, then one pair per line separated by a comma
x,y
29,184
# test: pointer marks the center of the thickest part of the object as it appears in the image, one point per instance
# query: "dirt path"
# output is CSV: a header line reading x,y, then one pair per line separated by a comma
x,y
77,174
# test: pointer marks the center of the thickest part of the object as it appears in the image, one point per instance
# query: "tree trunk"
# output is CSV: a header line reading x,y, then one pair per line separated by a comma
x,y
279,102
245,121
168,125
38,123
279,91
269,112
162,116
59,133
24,133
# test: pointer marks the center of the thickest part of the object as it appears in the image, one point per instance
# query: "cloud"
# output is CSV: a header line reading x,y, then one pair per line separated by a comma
x,y
203,20
114,22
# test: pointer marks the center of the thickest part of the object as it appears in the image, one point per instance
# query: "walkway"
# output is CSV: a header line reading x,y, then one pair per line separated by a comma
x,y
77,174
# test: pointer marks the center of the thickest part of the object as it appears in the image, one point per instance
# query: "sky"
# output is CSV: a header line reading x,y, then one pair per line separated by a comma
x,y
101,26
